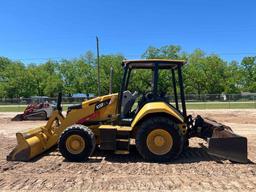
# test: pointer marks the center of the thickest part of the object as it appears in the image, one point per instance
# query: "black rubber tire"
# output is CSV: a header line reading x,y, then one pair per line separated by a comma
x,y
186,144
149,125
88,137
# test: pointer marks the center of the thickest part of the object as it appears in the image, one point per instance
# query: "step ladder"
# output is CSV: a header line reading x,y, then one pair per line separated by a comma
x,y
116,138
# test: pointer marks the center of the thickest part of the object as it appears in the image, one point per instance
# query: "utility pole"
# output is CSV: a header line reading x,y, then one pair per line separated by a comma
x,y
111,80
98,64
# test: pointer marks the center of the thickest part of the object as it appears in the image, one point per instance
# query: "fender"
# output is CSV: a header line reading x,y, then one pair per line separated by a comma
x,y
157,107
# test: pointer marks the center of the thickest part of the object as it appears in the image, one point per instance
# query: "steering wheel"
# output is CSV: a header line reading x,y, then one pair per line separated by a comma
x,y
145,97
149,95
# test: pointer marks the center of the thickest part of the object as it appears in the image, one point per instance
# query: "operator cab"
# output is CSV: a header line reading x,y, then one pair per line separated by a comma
x,y
158,81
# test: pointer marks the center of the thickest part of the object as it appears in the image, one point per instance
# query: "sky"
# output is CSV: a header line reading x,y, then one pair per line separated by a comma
x,y
34,31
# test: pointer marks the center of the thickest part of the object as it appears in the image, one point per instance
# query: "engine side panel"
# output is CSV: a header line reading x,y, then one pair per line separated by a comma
x,y
97,109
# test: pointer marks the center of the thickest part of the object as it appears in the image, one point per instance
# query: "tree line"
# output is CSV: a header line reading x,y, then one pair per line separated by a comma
x,y
203,74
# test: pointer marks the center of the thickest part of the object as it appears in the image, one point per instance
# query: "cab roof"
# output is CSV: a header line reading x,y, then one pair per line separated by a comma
x,y
149,63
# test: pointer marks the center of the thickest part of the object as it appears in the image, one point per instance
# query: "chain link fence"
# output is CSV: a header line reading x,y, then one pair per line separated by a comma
x,y
205,101
19,104
221,101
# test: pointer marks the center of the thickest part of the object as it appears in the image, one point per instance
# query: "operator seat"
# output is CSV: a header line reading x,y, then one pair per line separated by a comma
x,y
127,102
127,95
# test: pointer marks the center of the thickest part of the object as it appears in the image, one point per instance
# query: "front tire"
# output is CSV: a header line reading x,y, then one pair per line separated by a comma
x,y
158,139
77,143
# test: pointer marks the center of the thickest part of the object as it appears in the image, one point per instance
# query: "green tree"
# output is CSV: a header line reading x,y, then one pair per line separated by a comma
x,y
46,78
233,78
204,74
106,62
4,62
89,58
164,52
77,76
194,73
17,81
38,77
248,65
214,69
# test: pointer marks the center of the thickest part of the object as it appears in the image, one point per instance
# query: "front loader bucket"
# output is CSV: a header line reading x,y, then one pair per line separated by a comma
x,y
18,117
34,142
222,141
29,144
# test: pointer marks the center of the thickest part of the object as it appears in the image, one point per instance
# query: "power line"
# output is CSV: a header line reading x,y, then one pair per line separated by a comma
x,y
243,53
39,58
125,55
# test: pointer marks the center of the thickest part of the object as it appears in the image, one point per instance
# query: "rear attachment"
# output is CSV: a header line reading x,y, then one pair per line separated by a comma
x,y
222,141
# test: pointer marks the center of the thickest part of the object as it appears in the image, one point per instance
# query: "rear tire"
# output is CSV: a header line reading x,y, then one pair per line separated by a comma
x,y
147,139
77,143
186,144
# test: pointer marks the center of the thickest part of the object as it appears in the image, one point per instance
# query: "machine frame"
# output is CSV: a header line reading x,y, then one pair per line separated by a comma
x,y
161,131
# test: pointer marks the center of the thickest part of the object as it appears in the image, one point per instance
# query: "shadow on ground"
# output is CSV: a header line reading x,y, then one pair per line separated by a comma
x,y
190,155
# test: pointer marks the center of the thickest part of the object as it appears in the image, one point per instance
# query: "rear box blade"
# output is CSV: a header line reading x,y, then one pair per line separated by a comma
x,y
232,148
222,141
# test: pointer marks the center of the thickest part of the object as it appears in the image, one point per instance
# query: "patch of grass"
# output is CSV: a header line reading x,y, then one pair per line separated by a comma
x,y
190,105
12,109
221,105
17,108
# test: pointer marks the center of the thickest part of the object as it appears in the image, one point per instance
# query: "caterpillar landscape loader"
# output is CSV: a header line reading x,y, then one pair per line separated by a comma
x,y
161,130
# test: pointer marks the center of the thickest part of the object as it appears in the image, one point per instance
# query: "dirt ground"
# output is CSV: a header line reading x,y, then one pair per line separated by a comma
x,y
195,170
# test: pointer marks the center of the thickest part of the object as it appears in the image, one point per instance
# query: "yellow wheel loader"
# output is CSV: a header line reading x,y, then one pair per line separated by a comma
x,y
161,130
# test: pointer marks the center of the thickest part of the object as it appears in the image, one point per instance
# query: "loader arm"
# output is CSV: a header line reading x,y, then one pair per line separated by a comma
x,y
35,141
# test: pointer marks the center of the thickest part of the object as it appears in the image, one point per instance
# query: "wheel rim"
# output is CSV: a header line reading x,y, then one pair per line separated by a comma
x,y
75,144
159,141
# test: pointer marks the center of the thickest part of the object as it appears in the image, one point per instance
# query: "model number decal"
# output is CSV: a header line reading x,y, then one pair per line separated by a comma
x,y
101,104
